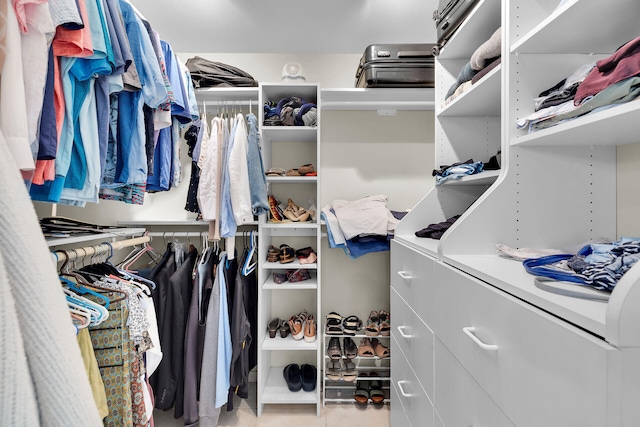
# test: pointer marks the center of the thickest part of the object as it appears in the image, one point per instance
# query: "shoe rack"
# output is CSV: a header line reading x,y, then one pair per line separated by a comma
x,y
343,391
288,147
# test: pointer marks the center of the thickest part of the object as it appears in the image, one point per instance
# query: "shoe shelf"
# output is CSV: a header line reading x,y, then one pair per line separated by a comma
x,y
289,265
292,179
362,335
346,394
290,146
288,343
276,390
305,284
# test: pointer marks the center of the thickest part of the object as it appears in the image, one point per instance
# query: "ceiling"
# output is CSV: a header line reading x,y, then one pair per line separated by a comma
x,y
288,26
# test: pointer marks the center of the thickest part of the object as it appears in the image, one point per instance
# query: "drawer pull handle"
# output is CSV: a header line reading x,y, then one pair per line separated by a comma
x,y
405,275
469,330
404,334
402,392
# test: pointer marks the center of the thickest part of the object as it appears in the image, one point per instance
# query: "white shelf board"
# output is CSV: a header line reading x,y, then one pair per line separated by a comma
x,y
550,35
352,99
511,277
590,129
290,133
277,392
109,236
475,30
292,179
294,265
227,94
288,343
168,222
482,178
276,91
481,100
305,284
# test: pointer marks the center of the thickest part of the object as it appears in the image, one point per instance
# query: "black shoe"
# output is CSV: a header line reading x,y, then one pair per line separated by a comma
x,y
293,377
309,375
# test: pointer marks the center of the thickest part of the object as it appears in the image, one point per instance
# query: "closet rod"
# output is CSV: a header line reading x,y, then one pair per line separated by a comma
x,y
92,250
170,234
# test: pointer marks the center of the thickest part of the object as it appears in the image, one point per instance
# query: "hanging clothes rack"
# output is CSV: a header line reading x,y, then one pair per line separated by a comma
x,y
100,249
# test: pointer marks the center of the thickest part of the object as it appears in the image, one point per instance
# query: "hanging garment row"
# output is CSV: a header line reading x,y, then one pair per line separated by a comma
x,y
96,110
228,185
166,334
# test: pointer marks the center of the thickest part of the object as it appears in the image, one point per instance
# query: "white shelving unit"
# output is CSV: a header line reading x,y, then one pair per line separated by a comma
x,y
493,335
300,145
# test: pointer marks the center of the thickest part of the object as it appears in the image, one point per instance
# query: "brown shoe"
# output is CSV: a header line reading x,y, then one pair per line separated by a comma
x,y
310,329
296,324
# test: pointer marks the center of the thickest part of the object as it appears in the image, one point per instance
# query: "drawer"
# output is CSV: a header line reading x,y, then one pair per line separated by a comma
x,y
412,276
411,395
398,415
460,400
539,369
414,339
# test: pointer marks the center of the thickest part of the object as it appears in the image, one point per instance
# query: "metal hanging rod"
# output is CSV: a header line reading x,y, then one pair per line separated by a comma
x,y
99,249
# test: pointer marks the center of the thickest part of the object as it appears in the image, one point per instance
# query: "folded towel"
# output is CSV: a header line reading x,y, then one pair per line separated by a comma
x,y
487,51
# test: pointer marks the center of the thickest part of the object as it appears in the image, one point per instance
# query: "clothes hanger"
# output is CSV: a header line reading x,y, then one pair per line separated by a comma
x,y
250,262
82,280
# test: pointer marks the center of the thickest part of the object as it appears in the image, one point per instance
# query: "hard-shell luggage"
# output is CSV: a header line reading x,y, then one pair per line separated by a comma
x,y
449,15
396,65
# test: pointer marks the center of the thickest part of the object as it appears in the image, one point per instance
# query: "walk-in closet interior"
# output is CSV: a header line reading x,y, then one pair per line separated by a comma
x,y
282,247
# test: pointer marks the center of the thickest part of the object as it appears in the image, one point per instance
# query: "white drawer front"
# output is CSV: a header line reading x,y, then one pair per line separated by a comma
x,y
399,417
413,398
540,370
412,276
460,401
414,339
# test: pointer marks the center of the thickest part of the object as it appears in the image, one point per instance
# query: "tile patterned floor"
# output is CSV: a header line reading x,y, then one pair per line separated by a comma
x,y
333,415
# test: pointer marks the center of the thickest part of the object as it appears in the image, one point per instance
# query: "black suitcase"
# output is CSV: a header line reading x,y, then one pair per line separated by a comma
x,y
396,65
448,17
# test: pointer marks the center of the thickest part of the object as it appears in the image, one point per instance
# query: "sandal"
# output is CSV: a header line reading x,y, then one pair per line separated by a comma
x,y
275,172
284,330
312,258
333,370
274,209
372,329
376,393
361,395
305,169
292,172
349,347
287,254
296,324
350,373
333,349
385,323
334,324
273,327
365,349
272,254
380,350
310,329
351,325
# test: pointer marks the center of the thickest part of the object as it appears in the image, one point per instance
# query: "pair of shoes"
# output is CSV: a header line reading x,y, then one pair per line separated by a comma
x,y
287,254
372,347
335,371
351,325
292,276
295,213
303,326
275,172
378,323
273,254
301,377
333,324
276,325
370,387
306,255
275,210
348,349
304,170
